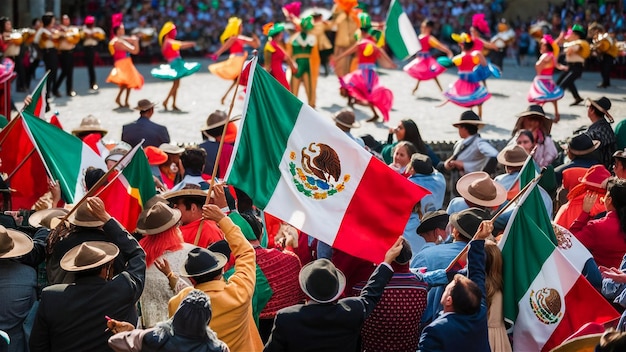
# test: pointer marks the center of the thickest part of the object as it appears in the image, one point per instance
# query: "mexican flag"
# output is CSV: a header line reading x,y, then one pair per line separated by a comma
x,y
64,156
299,167
399,32
38,105
544,294
130,187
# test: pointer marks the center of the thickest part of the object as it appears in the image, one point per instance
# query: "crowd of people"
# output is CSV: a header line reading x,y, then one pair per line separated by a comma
x,y
208,271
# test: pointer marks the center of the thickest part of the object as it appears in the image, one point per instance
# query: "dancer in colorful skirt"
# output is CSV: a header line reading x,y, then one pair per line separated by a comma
x,y
233,41
176,67
480,28
424,66
466,91
361,86
543,88
124,73
303,50
275,55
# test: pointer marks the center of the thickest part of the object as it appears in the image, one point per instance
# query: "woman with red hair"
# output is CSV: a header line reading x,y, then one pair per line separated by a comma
x,y
162,242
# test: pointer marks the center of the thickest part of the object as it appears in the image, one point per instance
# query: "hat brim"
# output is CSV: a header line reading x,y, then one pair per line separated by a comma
x,y
221,262
596,145
196,193
89,129
505,162
425,225
533,113
480,124
221,123
355,124
22,244
462,186
605,112
171,149
305,272
581,343
142,229
35,218
111,251
94,223
147,107
454,220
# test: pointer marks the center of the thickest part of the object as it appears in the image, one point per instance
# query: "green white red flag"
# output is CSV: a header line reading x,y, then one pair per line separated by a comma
x,y
546,297
299,167
399,32
37,107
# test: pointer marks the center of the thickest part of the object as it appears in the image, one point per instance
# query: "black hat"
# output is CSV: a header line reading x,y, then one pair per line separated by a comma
x,y
222,247
421,164
467,221
534,110
603,105
433,220
405,253
620,154
469,117
581,144
202,261
322,281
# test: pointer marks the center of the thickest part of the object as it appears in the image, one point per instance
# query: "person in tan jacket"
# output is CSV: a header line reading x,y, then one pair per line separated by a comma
x,y
231,300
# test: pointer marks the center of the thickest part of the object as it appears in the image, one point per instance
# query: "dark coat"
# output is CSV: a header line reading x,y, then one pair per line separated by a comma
x,y
327,327
153,133
71,317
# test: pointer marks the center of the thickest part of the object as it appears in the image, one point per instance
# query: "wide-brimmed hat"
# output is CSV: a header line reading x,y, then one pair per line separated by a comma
x,y
171,148
534,110
437,219
322,281
603,105
620,154
90,124
43,218
218,118
421,164
596,176
82,216
467,221
14,243
144,104
512,155
155,155
581,144
470,118
186,193
478,188
158,218
89,255
201,261
116,154
345,117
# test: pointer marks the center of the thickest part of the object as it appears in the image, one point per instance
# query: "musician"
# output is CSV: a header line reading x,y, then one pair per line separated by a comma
x,y
69,38
501,41
91,36
46,37
576,51
147,37
10,45
604,47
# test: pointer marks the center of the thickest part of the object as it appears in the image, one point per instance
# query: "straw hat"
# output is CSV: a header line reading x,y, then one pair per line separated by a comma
x,y
90,124
144,104
83,217
218,118
159,218
89,255
43,218
322,281
512,155
478,188
201,261
171,148
345,117
14,243
185,192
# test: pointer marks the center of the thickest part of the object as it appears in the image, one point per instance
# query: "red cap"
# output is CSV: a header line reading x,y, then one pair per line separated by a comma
x,y
90,20
155,155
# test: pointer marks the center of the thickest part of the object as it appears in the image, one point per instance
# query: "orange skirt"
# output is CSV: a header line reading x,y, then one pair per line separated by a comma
x,y
230,68
125,74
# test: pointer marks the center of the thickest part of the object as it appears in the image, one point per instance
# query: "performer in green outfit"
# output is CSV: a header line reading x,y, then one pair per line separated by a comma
x,y
304,51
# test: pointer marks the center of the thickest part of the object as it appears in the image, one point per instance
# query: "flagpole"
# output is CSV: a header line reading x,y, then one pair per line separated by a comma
x,y
219,149
500,212
19,166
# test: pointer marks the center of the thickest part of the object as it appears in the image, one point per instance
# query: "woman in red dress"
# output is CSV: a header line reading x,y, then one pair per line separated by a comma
x,y
275,55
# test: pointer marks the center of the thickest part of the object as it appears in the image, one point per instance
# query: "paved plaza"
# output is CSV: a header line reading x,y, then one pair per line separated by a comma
x,y
200,94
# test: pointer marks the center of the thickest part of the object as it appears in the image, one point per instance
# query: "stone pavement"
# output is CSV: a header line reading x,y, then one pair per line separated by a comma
x,y
200,94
